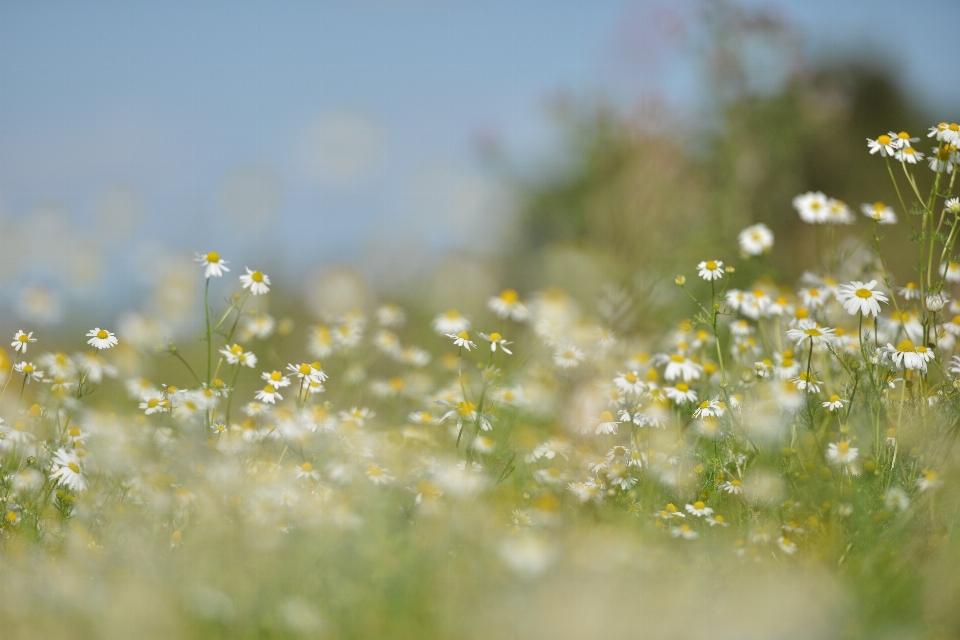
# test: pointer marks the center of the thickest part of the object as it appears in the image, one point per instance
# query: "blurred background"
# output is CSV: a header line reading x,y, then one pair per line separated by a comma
x,y
388,144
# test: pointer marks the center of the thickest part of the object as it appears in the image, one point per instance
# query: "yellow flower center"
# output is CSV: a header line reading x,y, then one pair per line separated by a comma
x,y
903,135
911,285
813,332
24,338
906,345
864,293
509,296
74,467
256,276
276,376
711,265
631,377
677,358
306,467
396,384
834,398
102,334
843,448
699,504
304,369
452,314
884,139
236,349
269,389
213,256
494,337
463,335
718,518
736,483
682,387
606,416
954,127
704,404
28,368
909,150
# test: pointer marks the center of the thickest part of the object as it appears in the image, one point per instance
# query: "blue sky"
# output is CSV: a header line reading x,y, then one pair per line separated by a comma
x,y
311,133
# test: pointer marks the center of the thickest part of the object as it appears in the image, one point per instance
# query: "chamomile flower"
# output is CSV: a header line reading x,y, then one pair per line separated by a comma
x,y
835,403
20,341
756,239
902,140
497,340
859,297
884,145
450,322
306,472
909,291
679,366
508,305
215,265
950,271
275,378
710,269
842,453
813,207
681,393
698,509
567,356
235,354
808,331
101,339
256,281
786,545
29,371
462,340
733,487
942,159
709,409
879,212
268,394
908,155
806,382
630,382
154,402
928,480
908,356
605,424
66,470
952,206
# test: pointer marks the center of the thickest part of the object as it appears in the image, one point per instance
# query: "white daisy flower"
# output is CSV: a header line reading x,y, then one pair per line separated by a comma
x,y
884,144
811,332
699,509
495,340
605,424
756,239
275,379
910,291
268,394
101,339
812,206
236,355
215,265
257,281
835,403
908,155
880,212
858,297
450,322
462,339
67,471
568,356
710,269
842,453
508,305
928,480
29,371
20,341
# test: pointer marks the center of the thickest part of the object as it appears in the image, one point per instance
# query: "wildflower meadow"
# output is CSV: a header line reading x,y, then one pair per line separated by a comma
x,y
775,459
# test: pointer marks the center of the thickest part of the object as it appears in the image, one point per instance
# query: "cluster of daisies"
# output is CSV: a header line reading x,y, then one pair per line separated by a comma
x,y
768,414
